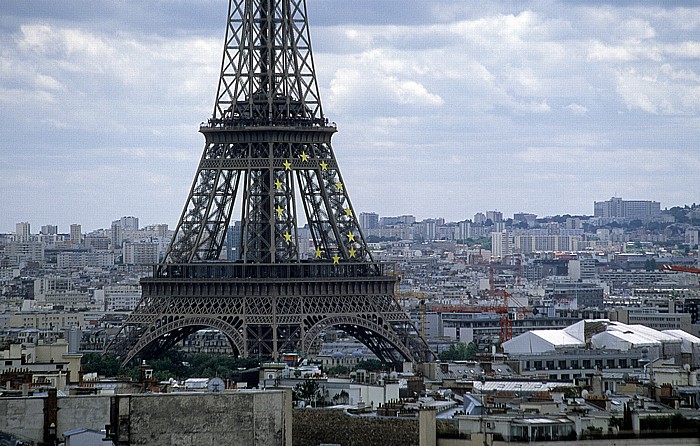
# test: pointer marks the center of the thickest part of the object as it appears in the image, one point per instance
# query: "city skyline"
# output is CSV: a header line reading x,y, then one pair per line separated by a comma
x,y
641,210
443,110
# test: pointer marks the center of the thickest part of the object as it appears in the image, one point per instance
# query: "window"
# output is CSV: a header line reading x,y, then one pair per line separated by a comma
x,y
586,363
550,365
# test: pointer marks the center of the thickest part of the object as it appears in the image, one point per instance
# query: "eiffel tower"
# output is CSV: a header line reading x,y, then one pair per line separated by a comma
x,y
268,144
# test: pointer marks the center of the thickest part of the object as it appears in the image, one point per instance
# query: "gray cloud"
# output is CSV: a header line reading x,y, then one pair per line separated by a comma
x,y
444,108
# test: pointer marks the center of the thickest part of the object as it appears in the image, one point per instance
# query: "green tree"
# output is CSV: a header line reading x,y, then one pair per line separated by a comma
x,y
310,392
459,352
371,364
650,265
103,365
338,370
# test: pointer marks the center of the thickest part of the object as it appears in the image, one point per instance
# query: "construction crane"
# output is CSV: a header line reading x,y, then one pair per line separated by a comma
x,y
684,269
505,323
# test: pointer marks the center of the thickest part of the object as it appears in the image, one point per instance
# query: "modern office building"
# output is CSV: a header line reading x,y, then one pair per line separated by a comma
x,y
76,234
632,209
501,244
22,232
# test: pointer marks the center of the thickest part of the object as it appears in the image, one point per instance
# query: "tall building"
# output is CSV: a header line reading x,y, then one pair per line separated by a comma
x,y
494,216
479,218
117,234
76,234
233,241
22,232
129,223
464,230
49,230
524,217
501,244
369,220
633,209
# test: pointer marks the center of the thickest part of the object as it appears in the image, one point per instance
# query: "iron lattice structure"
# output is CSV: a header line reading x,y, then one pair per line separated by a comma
x,y
269,144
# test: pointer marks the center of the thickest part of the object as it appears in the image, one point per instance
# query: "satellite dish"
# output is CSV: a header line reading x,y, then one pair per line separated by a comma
x,y
216,385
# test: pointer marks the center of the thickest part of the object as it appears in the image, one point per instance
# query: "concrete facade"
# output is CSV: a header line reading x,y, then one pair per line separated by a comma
x,y
204,419
252,418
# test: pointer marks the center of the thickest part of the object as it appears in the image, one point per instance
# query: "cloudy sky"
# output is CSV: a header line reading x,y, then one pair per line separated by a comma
x,y
444,108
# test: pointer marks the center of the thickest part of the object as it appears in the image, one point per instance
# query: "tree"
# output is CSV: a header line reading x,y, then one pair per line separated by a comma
x,y
635,224
341,398
459,352
370,364
650,265
104,365
310,392
338,370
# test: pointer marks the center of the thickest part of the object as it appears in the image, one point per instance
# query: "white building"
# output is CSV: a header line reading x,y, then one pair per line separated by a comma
x,y
601,334
140,253
122,296
501,244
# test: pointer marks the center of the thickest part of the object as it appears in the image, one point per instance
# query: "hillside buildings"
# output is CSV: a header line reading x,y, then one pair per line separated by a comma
x,y
630,209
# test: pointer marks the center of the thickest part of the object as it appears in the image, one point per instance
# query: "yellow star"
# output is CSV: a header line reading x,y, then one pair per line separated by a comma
x,y
348,212
279,212
287,237
339,186
352,252
336,259
278,185
318,253
304,157
351,237
324,165
287,165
